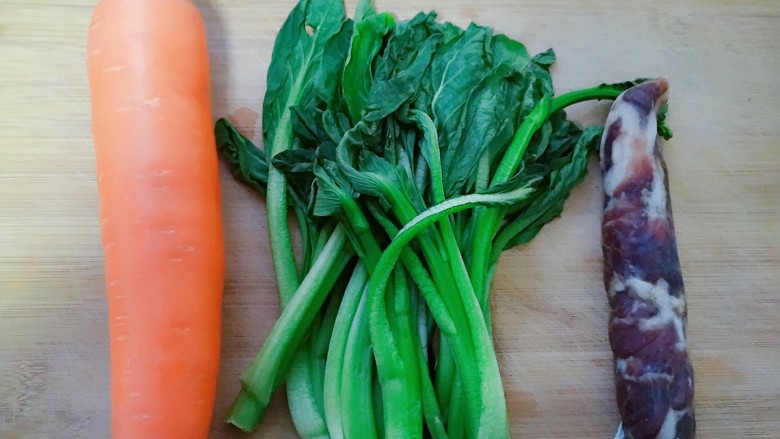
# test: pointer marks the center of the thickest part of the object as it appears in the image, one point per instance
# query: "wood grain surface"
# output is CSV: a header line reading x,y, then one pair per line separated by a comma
x,y
722,59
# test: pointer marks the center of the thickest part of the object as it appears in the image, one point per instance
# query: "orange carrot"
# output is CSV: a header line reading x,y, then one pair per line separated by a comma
x,y
161,230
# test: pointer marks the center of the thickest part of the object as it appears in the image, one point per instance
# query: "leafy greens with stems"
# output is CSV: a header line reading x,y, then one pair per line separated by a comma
x,y
412,153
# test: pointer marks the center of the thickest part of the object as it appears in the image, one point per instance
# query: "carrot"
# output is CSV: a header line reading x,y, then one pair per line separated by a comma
x,y
160,220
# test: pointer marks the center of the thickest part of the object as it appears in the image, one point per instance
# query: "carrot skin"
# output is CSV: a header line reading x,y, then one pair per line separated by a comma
x,y
160,215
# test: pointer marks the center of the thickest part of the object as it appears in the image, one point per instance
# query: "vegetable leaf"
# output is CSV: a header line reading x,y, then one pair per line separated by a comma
x,y
564,176
401,68
309,49
367,39
246,161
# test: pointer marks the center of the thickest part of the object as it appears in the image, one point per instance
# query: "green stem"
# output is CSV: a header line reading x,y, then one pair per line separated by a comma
x,y
334,378
307,246
306,380
365,239
431,410
462,342
356,406
475,320
323,236
288,275
357,397
379,411
510,231
599,92
489,391
304,386
456,425
267,370
306,411
432,155
358,393
321,341
287,278
448,306
487,221
428,289
430,406
397,362
354,392
390,367
445,376
285,266
516,150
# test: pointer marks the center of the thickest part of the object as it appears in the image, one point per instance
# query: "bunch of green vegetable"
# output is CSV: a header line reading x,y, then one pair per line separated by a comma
x,y
413,153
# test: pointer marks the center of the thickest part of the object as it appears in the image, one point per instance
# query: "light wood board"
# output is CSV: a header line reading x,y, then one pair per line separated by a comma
x,y
722,59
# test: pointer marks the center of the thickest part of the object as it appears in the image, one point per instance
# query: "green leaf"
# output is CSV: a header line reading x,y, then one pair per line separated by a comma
x,y
296,165
295,161
247,162
449,35
306,124
564,176
332,189
542,84
328,85
335,125
363,9
511,53
309,51
555,138
367,40
374,175
402,66
483,123
483,118
530,177
539,142
466,102
664,130
545,59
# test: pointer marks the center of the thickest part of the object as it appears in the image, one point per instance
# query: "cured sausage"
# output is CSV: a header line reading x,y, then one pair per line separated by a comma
x,y
642,275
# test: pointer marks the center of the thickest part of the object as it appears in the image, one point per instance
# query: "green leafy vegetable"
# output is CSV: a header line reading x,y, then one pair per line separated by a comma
x,y
246,161
367,39
309,53
413,153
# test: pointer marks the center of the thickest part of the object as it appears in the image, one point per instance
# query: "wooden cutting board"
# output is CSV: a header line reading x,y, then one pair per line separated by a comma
x,y
550,308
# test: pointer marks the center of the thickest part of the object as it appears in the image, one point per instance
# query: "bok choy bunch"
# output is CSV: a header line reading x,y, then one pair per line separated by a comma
x,y
413,153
